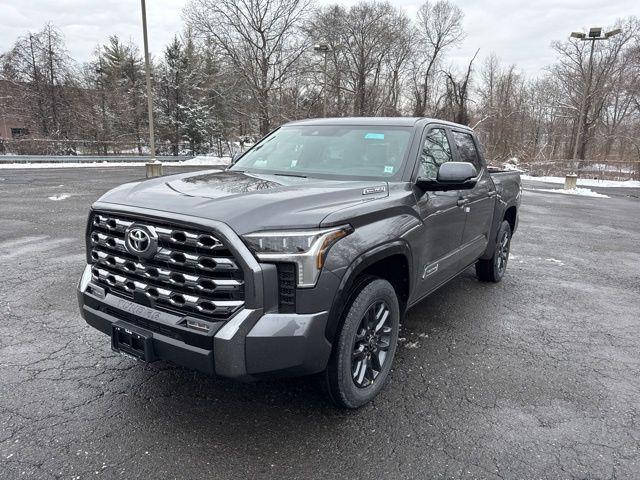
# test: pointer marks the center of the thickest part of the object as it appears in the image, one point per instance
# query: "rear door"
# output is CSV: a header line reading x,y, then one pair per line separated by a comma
x,y
478,202
443,219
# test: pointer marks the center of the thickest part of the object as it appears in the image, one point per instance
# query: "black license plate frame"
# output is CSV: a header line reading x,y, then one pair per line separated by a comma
x,y
132,341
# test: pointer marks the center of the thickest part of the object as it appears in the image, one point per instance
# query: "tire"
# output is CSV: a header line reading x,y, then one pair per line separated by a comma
x,y
493,269
365,345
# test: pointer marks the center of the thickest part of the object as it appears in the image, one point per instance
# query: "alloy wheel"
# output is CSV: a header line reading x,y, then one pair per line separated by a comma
x,y
371,344
503,252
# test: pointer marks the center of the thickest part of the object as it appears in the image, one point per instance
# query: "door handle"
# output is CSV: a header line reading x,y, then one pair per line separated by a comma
x,y
462,202
492,193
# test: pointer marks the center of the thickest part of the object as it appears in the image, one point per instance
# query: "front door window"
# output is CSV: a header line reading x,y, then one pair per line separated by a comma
x,y
435,151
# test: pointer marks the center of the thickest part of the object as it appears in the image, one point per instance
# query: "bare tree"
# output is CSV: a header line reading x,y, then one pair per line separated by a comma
x,y
587,71
457,95
259,37
249,66
502,105
326,25
41,63
370,46
439,26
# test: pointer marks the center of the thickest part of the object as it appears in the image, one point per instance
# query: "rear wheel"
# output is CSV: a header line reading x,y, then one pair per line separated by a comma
x,y
366,344
493,269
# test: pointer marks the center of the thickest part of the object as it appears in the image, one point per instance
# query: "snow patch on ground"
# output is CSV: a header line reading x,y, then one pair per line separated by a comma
x,y
527,259
583,192
60,196
587,182
555,261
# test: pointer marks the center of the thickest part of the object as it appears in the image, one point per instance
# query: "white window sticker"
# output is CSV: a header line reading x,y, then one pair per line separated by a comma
x,y
388,169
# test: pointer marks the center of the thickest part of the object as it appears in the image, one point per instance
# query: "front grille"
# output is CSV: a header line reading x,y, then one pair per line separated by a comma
x,y
191,273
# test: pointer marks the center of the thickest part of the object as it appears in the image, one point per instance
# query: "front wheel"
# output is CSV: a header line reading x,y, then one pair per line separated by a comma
x,y
492,270
366,344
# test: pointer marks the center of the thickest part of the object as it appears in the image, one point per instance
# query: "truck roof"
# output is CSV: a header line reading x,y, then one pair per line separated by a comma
x,y
375,121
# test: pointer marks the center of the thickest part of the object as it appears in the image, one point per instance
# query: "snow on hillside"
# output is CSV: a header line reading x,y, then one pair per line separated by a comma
x,y
26,165
207,160
586,182
201,160
583,192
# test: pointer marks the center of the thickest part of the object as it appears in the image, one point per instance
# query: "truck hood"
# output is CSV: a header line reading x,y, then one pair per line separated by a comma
x,y
247,202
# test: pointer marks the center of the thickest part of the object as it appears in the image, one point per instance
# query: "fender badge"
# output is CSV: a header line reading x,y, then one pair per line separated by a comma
x,y
372,190
429,270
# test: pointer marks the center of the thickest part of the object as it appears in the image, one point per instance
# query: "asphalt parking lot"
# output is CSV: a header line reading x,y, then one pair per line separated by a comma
x,y
536,377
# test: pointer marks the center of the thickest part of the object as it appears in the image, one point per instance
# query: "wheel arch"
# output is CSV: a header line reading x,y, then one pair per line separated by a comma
x,y
391,261
511,216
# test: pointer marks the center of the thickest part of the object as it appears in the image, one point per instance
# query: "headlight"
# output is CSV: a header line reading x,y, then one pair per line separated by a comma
x,y
306,248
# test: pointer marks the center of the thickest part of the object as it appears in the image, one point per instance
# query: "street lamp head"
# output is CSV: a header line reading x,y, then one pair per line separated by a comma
x,y
595,32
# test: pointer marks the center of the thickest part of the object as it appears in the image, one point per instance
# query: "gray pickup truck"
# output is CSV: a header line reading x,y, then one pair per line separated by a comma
x,y
303,256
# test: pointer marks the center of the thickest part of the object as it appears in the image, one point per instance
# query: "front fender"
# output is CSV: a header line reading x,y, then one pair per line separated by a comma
x,y
352,273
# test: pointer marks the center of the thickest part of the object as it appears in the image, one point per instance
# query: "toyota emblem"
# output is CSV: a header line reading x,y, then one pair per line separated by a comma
x,y
141,241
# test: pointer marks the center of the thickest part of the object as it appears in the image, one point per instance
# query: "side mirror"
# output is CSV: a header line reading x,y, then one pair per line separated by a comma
x,y
451,176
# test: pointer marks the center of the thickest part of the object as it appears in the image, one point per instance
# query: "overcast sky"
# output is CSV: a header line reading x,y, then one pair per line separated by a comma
x,y
518,32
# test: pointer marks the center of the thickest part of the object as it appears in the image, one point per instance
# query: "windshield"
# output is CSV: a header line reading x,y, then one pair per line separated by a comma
x,y
330,150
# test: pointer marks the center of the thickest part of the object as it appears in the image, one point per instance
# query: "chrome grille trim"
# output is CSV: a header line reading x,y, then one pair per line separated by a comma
x,y
175,236
195,261
124,265
192,272
165,295
174,256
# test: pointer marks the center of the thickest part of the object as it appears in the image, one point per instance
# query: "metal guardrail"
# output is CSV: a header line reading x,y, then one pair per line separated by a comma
x,y
88,158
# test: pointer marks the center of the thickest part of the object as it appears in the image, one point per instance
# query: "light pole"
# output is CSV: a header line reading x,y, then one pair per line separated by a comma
x,y
152,141
323,48
595,34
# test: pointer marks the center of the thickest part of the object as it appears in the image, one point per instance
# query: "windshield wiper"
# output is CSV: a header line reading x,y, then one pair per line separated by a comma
x,y
290,175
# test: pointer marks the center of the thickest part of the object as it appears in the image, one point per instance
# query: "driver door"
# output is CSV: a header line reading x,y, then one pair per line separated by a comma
x,y
442,215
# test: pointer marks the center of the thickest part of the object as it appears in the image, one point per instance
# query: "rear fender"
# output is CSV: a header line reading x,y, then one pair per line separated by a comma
x,y
498,217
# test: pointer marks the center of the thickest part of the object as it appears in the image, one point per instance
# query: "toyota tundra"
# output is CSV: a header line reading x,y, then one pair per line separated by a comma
x,y
303,256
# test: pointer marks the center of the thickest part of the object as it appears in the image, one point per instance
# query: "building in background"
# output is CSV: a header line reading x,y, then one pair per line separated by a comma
x,y
15,121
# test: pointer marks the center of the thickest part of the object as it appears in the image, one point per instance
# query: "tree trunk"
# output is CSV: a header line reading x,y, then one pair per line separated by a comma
x,y
36,77
263,100
52,86
263,112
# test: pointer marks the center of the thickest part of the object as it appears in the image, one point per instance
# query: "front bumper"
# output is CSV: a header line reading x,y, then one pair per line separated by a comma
x,y
252,344
257,341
